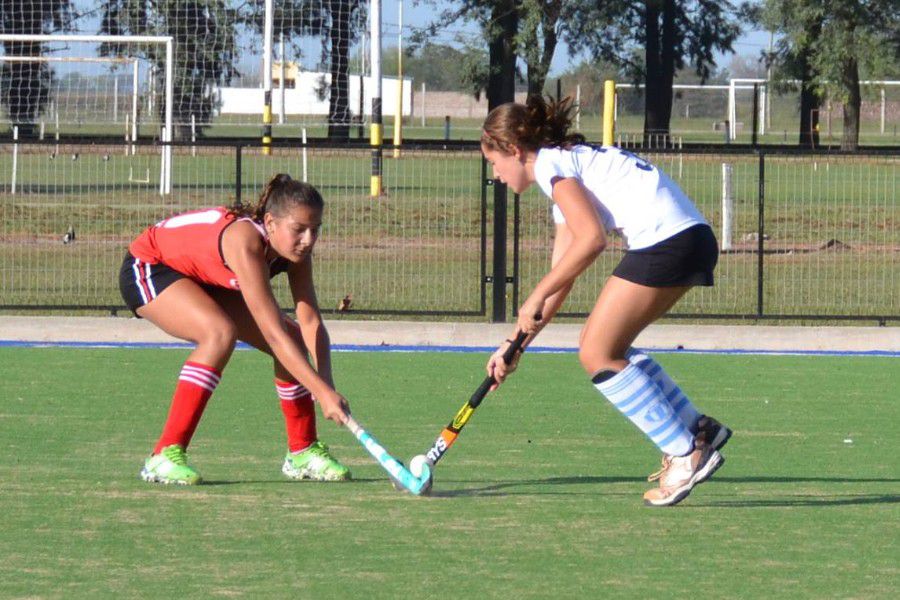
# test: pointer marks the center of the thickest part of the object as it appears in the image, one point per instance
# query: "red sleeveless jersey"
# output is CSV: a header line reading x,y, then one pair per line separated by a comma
x,y
191,243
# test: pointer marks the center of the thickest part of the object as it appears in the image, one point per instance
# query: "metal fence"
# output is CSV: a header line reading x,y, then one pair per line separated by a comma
x,y
812,235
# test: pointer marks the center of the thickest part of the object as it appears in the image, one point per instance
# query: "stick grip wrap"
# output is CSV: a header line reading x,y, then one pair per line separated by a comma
x,y
508,356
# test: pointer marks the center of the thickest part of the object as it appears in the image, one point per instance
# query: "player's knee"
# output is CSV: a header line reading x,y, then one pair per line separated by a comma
x,y
595,359
221,335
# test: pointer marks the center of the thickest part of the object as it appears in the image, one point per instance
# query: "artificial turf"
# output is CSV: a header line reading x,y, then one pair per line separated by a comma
x,y
539,498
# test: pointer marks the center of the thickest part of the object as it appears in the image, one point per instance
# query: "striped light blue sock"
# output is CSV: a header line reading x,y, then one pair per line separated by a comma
x,y
638,397
679,401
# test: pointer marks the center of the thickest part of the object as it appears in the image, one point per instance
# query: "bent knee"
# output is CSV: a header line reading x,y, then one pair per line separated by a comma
x,y
220,335
594,360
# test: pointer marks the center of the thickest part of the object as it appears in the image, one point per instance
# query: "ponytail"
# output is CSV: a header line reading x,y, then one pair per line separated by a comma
x,y
534,125
279,192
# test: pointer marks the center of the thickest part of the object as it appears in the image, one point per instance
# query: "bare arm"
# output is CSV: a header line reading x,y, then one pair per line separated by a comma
x,y
244,252
572,253
496,367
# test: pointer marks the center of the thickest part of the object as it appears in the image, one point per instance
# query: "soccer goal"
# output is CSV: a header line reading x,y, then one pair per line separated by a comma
x,y
87,83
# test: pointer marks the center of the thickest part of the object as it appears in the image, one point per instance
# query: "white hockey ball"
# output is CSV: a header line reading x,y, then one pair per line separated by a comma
x,y
418,464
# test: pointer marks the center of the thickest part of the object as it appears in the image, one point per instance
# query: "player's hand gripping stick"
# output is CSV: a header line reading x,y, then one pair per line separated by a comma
x,y
451,431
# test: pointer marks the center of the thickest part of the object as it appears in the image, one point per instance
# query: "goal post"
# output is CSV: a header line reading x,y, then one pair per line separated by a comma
x,y
166,136
133,62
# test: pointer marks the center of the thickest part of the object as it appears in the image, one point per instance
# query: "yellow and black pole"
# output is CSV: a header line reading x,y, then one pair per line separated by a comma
x,y
609,111
376,137
267,79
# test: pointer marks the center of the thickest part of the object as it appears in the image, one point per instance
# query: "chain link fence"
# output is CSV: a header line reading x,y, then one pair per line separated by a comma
x,y
805,235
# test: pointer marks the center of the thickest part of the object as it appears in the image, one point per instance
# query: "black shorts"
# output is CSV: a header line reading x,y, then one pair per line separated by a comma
x,y
141,282
686,258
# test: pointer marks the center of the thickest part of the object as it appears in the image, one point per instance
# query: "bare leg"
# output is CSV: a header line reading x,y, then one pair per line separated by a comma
x,y
296,402
184,310
622,311
246,329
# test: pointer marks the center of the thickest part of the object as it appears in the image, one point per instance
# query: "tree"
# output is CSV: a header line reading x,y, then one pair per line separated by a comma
x,y
204,36
442,67
855,37
25,86
590,75
502,30
540,28
499,20
652,40
825,44
526,29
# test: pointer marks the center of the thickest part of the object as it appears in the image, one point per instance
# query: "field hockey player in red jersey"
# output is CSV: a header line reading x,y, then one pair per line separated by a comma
x,y
669,249
203,276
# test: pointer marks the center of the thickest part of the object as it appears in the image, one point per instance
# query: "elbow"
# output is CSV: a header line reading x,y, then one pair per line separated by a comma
x,y
596,246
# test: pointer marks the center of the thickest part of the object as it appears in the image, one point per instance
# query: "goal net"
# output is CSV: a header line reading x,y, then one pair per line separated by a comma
x,y
76,85
310,56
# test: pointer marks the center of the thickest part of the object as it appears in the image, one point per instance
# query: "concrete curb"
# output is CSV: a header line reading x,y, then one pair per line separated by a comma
x,y
412,333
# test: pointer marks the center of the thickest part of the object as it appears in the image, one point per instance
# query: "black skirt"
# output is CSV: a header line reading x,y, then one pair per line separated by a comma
x,y
686,258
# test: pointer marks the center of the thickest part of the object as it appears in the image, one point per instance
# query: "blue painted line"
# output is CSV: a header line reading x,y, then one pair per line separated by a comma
x,y
454,349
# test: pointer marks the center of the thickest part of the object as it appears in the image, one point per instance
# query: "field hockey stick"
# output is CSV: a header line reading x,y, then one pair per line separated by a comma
x,y
451,431
399,474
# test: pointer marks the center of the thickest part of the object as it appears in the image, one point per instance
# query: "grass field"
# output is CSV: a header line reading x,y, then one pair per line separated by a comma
x,y
540,498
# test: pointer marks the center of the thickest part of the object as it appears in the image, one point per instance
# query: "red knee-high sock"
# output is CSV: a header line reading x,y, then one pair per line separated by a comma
x,y
196,384
299,414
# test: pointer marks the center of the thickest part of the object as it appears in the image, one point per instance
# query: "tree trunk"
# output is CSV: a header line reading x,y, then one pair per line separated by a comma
x,y
810,102
660,68
501,87
339,96
668,72
810,99
537,73
850,81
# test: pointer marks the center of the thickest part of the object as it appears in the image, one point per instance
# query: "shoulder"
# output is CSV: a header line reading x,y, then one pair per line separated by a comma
x,y
244,233
549,156
552,164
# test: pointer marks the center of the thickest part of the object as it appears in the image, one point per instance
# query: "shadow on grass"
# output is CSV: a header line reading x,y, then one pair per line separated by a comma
x,y
210,483
509,488
788,479
504,489
497,489
800,501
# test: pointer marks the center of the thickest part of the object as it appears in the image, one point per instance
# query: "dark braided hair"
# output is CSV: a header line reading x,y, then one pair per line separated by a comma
x,y
534,125
278,195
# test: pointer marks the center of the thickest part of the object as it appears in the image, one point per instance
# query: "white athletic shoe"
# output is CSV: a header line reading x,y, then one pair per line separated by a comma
x,y
680,474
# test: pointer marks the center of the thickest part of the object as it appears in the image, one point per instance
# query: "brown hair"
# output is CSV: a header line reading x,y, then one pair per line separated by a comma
x,y
531,126
280,192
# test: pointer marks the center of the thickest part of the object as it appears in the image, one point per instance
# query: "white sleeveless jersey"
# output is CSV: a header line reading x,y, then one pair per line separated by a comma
x,y
632,197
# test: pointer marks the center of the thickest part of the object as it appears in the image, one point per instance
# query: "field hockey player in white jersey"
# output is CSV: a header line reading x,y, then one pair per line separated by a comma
x,y
669,249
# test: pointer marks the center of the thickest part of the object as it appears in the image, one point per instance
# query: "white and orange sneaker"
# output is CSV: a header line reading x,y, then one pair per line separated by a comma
x,y
709,431
679,474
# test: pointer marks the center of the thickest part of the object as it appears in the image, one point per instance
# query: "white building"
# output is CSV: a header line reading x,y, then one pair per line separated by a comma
x,y
301,95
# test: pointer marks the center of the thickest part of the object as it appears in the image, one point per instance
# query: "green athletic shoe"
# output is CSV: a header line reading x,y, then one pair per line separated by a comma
x,y
170,466
314,463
